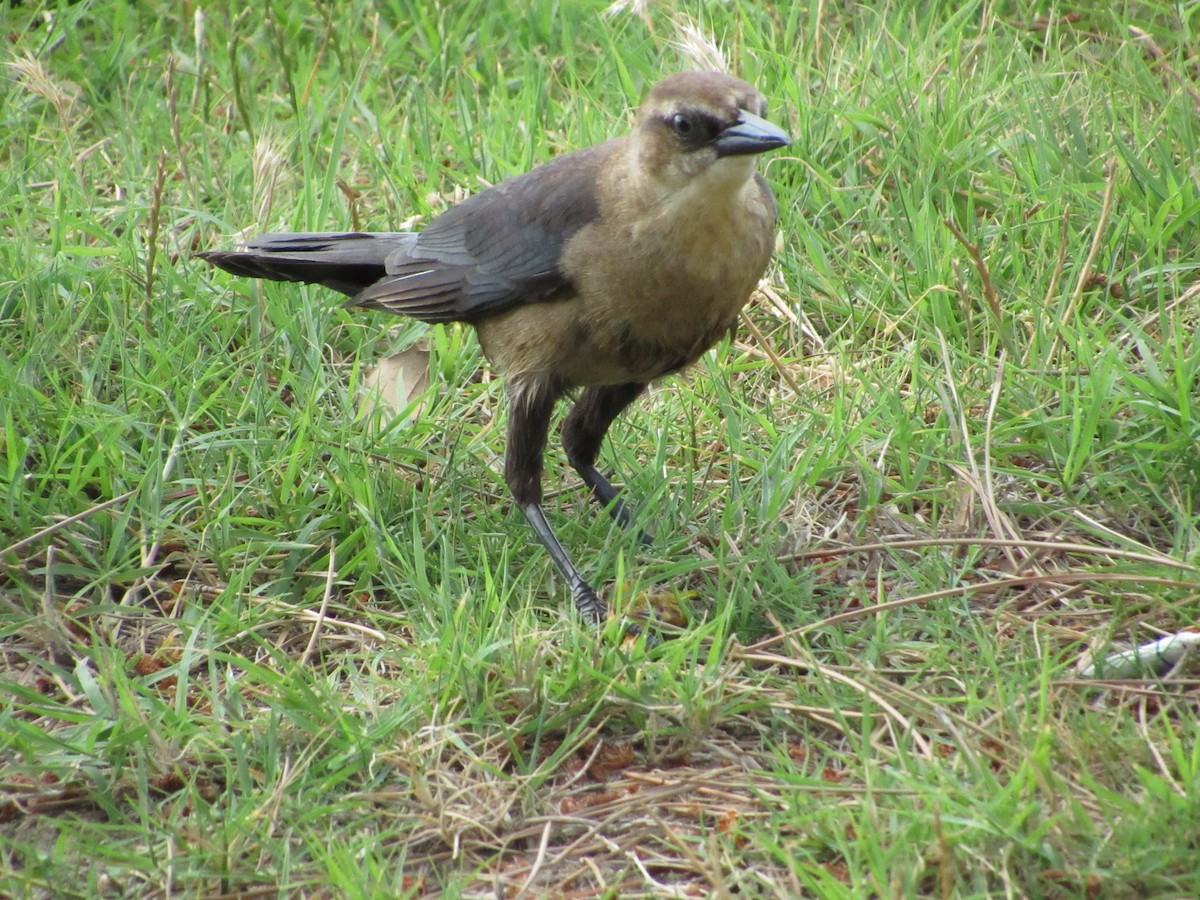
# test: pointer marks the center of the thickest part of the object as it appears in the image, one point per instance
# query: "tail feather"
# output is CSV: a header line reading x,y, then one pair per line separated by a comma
x,y
345,262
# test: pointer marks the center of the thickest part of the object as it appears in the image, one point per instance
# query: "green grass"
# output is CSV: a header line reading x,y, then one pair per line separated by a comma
x,y
259,642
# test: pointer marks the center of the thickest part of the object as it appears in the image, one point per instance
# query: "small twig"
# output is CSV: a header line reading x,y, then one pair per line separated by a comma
x,y
1085,272
1156,53
583,770
1060,260
307,615
1143,730
63,523
330,30
149,554
710,869
1002,584
989,483
771,355
997,520
808,663
817,30
1182,300
1041,546
981,266
330,575
537,862
661,889
990,296
156,198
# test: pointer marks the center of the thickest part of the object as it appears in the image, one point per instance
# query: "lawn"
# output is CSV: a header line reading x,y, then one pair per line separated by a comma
x,y
262,636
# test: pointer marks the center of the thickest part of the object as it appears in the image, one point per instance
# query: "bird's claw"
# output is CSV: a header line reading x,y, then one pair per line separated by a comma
x,y
591,608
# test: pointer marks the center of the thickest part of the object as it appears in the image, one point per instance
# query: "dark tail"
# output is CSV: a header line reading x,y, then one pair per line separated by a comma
x,y
345,262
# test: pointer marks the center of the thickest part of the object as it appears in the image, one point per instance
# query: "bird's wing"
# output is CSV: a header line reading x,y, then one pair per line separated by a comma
x,y
496,250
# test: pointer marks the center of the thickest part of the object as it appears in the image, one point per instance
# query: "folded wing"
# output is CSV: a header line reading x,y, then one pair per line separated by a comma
x,y
494,251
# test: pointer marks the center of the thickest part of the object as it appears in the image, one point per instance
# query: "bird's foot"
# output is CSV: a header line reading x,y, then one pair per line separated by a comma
x,y
623,516
591,608
609,498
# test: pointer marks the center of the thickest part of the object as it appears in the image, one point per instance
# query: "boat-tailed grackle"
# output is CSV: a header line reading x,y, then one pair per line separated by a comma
x,y
601,270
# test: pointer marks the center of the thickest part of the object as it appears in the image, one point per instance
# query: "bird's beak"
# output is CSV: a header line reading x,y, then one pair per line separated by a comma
x,y
751,134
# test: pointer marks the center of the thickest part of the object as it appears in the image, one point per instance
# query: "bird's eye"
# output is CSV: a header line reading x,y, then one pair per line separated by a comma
x,y
682,124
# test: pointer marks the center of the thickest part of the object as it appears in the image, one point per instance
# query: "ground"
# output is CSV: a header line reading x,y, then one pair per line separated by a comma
x,y
262,636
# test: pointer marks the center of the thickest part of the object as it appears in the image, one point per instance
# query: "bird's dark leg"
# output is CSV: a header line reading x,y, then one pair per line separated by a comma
x,y
528,424
582,433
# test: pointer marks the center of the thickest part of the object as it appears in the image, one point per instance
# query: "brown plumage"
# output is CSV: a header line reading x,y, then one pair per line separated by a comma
x,y
603,270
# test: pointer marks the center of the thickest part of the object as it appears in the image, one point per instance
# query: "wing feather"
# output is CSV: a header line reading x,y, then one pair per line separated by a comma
x,y
495,250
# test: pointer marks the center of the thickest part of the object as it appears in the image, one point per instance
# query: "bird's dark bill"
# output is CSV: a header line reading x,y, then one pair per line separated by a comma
x,y
751,134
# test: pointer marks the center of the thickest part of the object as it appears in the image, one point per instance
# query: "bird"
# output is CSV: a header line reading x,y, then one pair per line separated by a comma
x,y
589,277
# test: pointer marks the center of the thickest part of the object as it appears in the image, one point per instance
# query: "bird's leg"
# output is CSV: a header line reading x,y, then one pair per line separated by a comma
x,y
528,424
587,601
582,433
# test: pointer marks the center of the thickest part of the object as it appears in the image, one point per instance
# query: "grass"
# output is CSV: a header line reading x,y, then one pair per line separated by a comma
x,y
258,641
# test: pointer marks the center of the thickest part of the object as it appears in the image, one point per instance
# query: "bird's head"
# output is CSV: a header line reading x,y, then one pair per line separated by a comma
x,y
705,126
